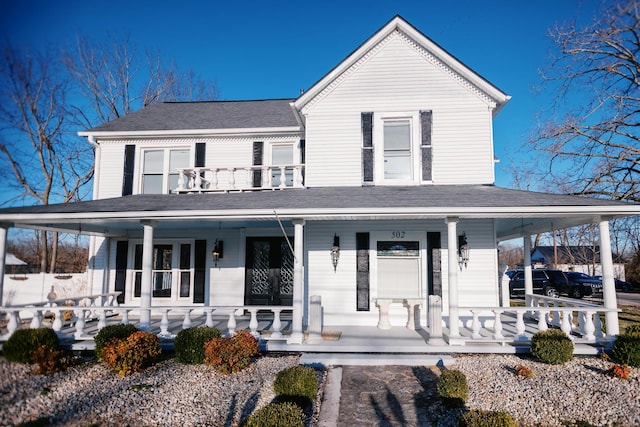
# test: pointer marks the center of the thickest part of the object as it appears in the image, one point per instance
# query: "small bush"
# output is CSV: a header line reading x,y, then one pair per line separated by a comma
x,y
233,354
620,371
452,388
524,371
626,349
283,414
24,342
480,418
552,346
131,354
50,360
110,332
297,384
189,344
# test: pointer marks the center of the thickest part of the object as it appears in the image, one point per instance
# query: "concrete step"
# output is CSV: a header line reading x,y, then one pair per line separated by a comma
x,y
376,359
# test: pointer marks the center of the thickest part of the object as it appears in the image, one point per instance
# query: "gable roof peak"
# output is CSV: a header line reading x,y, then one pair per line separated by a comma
x,y
398,23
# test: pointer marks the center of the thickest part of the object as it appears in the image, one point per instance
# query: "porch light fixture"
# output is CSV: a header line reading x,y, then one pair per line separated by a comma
x,y
463,250
217,252
335,252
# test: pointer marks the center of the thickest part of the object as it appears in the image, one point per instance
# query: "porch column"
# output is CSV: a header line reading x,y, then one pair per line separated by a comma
x,y
298,285
146,287
608,282
452,249
528,278
4,230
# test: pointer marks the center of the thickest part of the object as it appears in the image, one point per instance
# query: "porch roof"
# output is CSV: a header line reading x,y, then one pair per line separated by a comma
x,y
516,211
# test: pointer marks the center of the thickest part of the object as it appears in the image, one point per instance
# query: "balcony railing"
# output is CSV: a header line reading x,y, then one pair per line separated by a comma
x,y
248,178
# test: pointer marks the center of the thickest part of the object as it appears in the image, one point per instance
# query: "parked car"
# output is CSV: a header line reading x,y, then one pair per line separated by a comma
x,y
551,283
583,281
621,285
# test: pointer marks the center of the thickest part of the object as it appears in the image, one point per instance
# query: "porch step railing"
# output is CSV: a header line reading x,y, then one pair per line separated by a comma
x,y
71,321
579,320
202,180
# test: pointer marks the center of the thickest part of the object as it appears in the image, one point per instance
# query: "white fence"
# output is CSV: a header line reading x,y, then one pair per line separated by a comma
x,y
29,288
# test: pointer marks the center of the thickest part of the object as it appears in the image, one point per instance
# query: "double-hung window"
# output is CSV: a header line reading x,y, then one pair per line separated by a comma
x,y
160,169
282,155
396,144
171,273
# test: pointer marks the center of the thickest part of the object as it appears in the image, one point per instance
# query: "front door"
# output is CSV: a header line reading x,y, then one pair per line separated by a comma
x,y
269,271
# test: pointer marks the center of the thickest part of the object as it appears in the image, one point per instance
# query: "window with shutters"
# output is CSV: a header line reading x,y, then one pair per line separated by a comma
x,y
160,169
396,148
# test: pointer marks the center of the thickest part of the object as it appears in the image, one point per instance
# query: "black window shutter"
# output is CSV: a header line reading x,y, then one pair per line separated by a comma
x,y
367,147
199,267
258,150
200,154
426,121
362,271
127,173
434,264
303,155
122,247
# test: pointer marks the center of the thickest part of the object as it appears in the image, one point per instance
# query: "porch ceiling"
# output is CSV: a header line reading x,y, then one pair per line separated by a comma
x,y
515,211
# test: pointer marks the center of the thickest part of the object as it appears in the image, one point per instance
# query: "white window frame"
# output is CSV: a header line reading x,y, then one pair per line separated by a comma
x,y
176,271
295,148
379,120
166,172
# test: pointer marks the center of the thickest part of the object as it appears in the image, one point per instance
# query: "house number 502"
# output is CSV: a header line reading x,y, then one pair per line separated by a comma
x,y
397,234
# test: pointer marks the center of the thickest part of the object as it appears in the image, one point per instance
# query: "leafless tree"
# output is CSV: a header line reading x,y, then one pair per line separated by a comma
x,y
590,137
116,78
44,165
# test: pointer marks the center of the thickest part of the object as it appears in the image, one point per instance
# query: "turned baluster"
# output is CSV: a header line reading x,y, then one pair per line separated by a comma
x,y
214,178
186,323
283,177
497,325
566,323
164,323
232,178
248,177
57,322
125,317
475,326
231,323
589,327
14,322
36,320
542,321
277,324
180,180
80,323
597,323
253,323
520,327
209,322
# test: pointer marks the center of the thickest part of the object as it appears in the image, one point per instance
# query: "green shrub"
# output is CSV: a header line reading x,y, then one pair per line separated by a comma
x,y
189,343
452,388
480,418
131,354
23,342
626,349
283,414
110,332
233,354
297,384
552,346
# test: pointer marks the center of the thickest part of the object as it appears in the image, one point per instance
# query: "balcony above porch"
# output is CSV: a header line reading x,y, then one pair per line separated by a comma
x,y
244,178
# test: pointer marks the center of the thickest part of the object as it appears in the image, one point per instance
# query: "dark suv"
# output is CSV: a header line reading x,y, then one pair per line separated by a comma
x,y
551,283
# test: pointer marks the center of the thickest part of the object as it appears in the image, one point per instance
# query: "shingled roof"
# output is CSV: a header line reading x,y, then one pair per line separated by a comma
x,y
167,116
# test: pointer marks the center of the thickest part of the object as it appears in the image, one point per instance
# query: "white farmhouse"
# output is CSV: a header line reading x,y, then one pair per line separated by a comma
x,y
368,202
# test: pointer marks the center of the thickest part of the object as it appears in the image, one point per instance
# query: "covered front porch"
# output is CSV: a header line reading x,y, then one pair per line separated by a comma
x,y
481,329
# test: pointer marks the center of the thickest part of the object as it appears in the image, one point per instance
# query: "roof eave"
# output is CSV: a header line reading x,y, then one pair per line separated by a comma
x,y
192,132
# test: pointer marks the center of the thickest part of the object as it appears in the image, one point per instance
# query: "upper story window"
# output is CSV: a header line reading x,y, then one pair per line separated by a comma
x,y
282,155
397,147
159,169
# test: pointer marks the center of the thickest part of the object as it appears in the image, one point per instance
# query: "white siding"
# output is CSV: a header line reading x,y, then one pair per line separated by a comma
x,y
477,283
396,77
111,170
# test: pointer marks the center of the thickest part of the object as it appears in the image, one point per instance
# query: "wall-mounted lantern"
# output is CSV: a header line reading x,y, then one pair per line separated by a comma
x,y
335,251
463,250
218,251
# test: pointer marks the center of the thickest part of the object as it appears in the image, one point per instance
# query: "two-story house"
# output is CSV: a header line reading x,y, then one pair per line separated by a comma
x,y
366,195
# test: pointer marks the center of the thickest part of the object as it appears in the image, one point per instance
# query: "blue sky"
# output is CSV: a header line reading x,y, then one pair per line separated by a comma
x,y
272,49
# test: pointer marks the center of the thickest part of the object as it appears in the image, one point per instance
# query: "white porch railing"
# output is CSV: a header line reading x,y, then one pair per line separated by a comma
x,y
200,180
579,320
75,327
